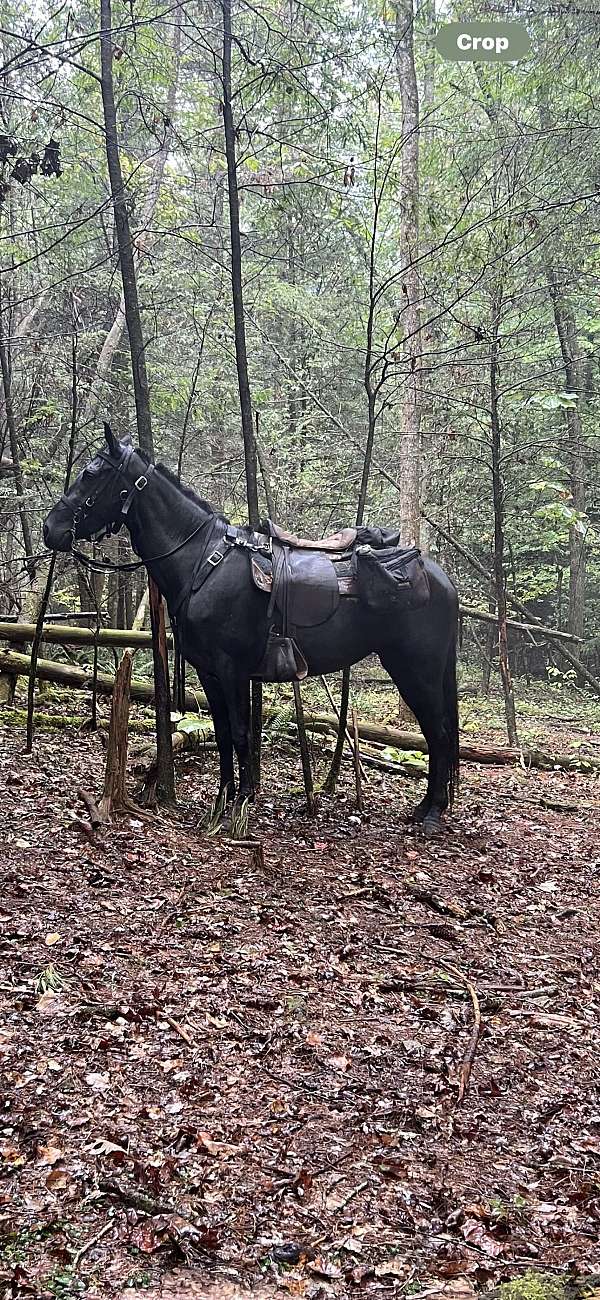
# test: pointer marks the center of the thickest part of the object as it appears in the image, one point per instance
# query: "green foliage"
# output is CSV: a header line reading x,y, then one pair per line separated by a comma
x,y
533,1285
502,204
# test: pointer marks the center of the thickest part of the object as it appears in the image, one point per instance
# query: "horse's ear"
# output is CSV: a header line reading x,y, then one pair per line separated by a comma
x,y
111,441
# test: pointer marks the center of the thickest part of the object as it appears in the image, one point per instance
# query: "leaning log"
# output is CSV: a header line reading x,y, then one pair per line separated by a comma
x,y
546,633
143,691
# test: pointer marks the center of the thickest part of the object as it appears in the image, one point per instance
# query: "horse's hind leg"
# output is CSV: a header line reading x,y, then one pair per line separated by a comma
x,y
424,695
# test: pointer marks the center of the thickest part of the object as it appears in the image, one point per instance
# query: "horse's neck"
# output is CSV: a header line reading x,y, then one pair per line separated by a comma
x,y
164,518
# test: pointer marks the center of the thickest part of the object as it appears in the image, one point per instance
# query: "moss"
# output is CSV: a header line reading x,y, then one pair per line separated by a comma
x,y
534,1286
59,721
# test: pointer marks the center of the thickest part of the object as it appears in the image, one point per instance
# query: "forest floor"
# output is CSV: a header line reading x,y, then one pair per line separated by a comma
x,y
223,1073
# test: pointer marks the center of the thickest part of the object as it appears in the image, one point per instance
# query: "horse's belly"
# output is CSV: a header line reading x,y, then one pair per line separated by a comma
x,y
344,640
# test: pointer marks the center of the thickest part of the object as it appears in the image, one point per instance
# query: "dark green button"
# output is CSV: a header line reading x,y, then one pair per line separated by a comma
x,y
494,42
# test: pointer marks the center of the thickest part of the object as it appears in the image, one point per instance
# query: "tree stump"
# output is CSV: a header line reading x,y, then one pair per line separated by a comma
x,y
115,789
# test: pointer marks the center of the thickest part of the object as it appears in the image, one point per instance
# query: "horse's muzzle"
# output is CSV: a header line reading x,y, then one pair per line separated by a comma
x,y
56,536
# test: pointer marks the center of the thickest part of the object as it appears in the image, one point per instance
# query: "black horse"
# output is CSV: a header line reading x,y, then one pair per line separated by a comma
x,y
225,624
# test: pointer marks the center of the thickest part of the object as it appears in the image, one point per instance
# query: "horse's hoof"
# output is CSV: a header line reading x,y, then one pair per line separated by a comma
x,y
431,826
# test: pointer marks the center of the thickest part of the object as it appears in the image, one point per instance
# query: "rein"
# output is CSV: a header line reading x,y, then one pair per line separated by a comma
x,y
104,566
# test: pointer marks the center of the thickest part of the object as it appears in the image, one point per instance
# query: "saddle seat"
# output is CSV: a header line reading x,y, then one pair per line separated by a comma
x,y
341,541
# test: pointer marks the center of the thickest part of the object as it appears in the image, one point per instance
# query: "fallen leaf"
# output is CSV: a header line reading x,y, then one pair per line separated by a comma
x,y
98,1082
339,1062
394,1267
214,1147
51,1004
459,1286
148,1237
56,1180
12,1157
321,1268
51,939
475,1232
103,1147
49,1155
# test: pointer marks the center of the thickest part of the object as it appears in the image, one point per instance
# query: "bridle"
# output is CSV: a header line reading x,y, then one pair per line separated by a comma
x,y
128,496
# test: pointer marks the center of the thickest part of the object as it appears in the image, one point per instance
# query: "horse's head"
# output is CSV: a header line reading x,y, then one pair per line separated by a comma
x,y
95,502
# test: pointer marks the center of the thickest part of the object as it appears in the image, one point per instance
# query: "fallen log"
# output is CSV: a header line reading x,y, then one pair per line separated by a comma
x,y
67,634
70,635
143,691
326,724
82,679
191,742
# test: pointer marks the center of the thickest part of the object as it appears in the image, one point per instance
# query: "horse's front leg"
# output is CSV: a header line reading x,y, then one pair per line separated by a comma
x,y
220,716
236,688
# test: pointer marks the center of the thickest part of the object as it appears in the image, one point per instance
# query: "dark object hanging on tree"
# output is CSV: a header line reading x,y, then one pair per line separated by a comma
x,y
349,174
51,160
22,171
24,168
8,149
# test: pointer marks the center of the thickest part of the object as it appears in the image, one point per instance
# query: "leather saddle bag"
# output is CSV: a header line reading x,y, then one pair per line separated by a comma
x,y
282,661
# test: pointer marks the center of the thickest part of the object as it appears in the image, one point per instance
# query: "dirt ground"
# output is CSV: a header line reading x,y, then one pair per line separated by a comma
x,y
223,1073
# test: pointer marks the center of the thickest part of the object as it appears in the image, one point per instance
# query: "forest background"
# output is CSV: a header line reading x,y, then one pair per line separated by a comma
x,y
420,267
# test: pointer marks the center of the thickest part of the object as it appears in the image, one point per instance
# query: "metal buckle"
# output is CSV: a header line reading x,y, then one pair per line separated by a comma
x,y
141,482
215,558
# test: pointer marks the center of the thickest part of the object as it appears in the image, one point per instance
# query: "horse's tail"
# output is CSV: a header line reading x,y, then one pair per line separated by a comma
x,y
451,717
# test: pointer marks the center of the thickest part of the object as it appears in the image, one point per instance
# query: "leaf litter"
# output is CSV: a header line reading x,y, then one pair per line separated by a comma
x,y
239,1073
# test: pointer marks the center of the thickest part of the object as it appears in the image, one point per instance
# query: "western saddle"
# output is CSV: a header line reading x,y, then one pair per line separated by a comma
x,y
337,542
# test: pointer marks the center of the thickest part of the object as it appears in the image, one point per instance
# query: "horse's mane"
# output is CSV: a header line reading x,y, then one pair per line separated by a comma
x,y
188,491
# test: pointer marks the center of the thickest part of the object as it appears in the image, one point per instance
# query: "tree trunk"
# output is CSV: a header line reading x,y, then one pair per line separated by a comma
x,y
165,786
498,499
241,355
165,779
66,634
564,320
123,232
409,312
15,450
8,683
115,795
141,240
